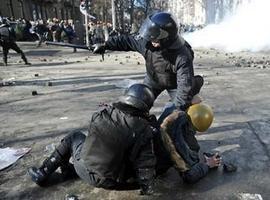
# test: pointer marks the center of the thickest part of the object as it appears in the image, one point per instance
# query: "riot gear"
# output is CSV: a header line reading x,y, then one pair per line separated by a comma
x,y
160,27
139,96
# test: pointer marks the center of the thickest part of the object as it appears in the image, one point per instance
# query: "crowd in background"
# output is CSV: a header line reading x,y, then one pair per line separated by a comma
x,y
52,30
61,30
74,32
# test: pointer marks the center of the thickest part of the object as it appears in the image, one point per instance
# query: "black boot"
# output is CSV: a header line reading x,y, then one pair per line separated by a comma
x,y
25,60
5,61
37,175
40,175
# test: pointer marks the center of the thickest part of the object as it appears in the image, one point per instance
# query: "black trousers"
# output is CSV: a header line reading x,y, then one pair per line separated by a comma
x,y
71,146
197,83
11,45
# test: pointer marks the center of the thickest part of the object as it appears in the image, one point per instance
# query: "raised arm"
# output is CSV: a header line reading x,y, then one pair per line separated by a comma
x,y
125,43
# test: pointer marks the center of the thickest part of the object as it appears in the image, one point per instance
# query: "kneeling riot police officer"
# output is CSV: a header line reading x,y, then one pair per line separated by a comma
x,y
7,41
168,58
119,144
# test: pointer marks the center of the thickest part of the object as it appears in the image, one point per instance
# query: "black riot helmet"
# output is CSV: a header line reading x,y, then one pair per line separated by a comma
x,y
139,96
160,27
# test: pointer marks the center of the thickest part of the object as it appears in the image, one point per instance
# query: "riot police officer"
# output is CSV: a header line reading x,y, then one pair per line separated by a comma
x,y
7,41
168,57
118,145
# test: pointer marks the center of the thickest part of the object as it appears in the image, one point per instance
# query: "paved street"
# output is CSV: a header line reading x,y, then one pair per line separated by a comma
x,y
71,86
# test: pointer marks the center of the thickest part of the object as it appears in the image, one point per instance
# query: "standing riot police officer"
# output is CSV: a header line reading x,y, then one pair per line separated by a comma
x,y
119,145
7,41
168,57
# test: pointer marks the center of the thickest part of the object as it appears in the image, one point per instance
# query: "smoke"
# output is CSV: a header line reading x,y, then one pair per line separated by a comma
x,y
247,30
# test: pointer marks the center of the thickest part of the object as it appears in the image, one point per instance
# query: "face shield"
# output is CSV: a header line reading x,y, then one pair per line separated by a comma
x,y
152,32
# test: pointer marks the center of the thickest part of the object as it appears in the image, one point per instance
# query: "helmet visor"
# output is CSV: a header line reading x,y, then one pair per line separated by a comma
x,y
151,31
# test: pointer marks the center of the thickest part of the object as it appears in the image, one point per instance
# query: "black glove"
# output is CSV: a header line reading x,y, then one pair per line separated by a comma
x,y
153,120
99,48
146,190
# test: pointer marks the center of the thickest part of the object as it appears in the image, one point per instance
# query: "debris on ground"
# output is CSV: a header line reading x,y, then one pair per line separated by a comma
x,y
49,83
71,197
34,93
247,196
229,167
8,156
8,82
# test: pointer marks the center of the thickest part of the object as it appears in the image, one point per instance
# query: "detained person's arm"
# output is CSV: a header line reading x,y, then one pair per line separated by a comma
x,y
195,173
199,170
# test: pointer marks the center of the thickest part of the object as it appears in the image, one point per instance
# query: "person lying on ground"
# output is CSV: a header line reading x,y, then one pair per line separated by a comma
x,y
176,146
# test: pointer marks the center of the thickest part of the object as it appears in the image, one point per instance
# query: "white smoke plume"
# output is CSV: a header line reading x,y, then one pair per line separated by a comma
x,y
247,30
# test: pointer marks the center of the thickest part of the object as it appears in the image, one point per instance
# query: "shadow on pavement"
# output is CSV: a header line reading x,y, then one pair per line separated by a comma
x,y
46,64
42,136
37,52
78,80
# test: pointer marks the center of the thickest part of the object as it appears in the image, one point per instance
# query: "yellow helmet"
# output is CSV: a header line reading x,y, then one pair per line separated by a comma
x,y
201,116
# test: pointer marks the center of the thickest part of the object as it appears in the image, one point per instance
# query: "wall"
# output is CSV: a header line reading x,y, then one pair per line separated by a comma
x,y
40,9
203,11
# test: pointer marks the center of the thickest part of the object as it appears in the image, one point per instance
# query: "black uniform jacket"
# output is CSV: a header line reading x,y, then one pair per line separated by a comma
x,y
7,33
170,68
118,140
